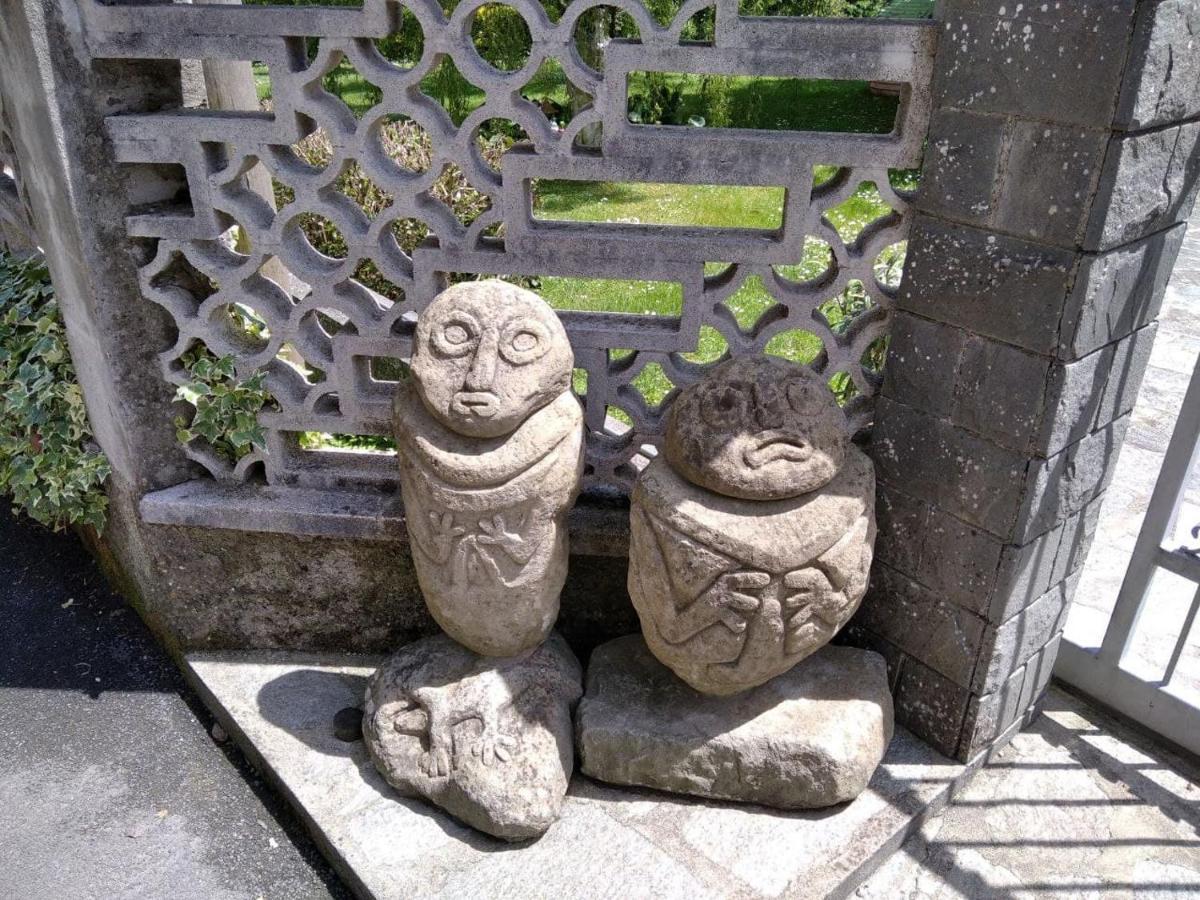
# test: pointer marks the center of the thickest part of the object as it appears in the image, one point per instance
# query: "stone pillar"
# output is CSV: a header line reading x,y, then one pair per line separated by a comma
x,y
1061,165
56,98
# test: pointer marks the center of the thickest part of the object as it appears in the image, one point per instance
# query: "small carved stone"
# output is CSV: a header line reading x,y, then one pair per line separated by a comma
x,y
752,547
490,443
488,740
809,738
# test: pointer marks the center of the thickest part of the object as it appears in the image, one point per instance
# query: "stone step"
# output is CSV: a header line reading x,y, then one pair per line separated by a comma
x,y
611,842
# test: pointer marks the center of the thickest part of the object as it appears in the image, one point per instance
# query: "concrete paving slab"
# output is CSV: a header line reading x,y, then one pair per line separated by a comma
x,y
610,843
111,786
1079,805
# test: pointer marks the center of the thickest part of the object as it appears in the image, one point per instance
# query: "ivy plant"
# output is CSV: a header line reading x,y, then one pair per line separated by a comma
x,y
227,407
48,462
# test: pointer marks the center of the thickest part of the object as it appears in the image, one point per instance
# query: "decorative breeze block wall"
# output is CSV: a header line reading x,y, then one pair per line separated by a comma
x,y
318,313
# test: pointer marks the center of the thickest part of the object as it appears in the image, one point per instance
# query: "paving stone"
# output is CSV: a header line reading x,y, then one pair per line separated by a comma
x,y
988,284
1079,801
1149,183
609,842
1162,82
1116,293
990,54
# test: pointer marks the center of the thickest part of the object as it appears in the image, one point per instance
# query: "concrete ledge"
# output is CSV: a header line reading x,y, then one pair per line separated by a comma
x,y
610,842
597,527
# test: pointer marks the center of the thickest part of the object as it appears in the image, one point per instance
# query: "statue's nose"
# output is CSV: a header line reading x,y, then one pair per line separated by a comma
x,y
483,367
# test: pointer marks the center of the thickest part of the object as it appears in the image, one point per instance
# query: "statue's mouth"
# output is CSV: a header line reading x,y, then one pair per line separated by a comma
x,y
481,404
773,447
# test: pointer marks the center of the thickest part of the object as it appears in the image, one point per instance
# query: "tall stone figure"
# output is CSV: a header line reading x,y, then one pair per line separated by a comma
x,y
750,545
490,445
490,441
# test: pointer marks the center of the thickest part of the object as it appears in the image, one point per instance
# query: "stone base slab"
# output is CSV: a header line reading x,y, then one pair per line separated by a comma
x,y
809,738
609,842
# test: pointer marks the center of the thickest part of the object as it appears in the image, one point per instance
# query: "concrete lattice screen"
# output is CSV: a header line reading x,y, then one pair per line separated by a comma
x,y
216,149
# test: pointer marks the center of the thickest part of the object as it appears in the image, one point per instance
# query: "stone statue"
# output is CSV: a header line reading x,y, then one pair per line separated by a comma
x,y
750,546
490,741
751,536
490,442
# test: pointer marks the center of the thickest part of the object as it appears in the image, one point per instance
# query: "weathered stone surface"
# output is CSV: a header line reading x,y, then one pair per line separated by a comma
x,y
811,737
1046,191
1162,82
988,284
992,52
751,539
923,359
998,391
961,165
942,635
490,444
1062,485
487,355
1149,184
915,451
733,592
1118,292
488,740
758,428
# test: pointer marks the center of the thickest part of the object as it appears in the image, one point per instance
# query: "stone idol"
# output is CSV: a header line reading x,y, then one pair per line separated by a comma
x,y
750,546
490,443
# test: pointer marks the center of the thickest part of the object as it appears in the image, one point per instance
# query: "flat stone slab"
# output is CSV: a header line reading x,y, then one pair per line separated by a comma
x,y
610,842
808,738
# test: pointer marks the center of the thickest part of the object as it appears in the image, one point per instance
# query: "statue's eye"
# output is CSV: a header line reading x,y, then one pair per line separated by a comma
x,y
524,339
457,335
725,407
800,397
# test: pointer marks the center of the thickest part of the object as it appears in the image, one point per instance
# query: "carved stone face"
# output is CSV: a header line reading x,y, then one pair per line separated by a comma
x,y
487,355
757,428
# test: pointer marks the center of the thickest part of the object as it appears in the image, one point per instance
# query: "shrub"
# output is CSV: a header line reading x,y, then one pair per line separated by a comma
x,y
227,407
48,462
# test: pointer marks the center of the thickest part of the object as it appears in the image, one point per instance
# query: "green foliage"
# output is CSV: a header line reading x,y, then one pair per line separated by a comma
x,y
47,461
227,407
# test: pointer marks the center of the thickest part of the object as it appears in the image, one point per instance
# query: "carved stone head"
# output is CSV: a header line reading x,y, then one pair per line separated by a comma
x,y
757,428
487,355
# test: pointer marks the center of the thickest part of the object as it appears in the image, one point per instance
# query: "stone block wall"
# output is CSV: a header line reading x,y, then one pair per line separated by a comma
x,y
1062,163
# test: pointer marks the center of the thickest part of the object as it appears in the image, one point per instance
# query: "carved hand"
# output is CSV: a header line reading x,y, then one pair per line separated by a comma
x,y
495,532
724,602
442,533
809,594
